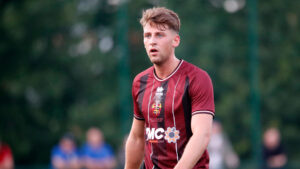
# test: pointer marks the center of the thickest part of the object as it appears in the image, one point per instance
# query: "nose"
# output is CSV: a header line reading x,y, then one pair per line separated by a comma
x,y
152,40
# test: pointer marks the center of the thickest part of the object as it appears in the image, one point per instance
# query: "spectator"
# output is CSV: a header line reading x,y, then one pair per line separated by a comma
x,y
96,154
6,157
273,151
65,155
220,150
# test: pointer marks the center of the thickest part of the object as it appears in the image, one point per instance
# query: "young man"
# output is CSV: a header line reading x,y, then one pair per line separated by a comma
x,y
173,102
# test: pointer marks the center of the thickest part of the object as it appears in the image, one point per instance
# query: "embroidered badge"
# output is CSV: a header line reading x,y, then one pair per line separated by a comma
x,y
156,106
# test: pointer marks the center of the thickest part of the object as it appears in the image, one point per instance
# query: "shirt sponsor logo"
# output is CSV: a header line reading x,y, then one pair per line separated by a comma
x,y
171,135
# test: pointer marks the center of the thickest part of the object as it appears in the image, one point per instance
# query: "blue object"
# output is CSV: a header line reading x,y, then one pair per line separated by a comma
x,y
57,152
97,153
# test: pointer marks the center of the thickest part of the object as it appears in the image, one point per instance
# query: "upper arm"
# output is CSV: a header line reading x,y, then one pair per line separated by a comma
x,y
137,129
135,96
202,123
138,124
201,93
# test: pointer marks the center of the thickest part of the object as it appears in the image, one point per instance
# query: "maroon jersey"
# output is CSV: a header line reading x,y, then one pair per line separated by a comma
x,y
166,106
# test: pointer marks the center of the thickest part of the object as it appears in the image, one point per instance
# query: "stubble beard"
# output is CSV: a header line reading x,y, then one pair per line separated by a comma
x,y
157,60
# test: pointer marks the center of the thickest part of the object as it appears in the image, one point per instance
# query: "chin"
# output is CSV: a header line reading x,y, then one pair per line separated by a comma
x,y
155,61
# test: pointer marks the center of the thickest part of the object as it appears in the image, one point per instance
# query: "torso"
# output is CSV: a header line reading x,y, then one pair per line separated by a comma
x,y
166,106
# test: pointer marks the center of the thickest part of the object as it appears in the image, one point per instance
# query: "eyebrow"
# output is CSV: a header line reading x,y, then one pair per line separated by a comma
x,y
162,31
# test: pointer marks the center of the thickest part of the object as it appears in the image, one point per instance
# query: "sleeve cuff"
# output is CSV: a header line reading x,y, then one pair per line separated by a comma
x,y
203,112
138,118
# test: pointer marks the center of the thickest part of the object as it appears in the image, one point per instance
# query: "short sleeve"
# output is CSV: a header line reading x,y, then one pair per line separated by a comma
x,y
137,112
201,93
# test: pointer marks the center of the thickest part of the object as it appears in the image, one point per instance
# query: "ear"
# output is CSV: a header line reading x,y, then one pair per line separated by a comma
x,y
176,41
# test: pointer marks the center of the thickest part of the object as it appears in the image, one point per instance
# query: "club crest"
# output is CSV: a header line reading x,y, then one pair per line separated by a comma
x,y
156,106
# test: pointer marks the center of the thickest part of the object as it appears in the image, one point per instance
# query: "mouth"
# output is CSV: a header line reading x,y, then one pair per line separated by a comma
x,y
153,51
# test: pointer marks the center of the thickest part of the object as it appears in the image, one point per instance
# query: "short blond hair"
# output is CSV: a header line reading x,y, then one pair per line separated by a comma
x,y
162,18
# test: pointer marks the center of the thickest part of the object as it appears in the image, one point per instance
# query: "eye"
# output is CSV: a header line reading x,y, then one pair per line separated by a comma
x,y
160,35
147,35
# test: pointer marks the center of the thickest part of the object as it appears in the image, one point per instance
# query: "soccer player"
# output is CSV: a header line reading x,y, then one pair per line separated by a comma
x,y
173,102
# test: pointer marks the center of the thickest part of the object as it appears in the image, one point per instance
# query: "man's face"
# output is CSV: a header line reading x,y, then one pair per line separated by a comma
x,y
94,138
160,43
67,145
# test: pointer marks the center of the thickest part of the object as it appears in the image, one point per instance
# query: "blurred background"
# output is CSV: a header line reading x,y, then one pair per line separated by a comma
x,y
67,65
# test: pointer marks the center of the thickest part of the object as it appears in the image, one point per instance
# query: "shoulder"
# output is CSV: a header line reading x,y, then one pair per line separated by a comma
x,y
142,78
195,73
144,73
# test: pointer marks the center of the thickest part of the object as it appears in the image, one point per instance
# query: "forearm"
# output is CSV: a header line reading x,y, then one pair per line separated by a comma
x,y
201,129
134,153
193,150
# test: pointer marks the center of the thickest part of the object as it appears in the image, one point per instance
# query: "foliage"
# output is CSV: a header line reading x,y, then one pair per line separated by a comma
x,y
59,68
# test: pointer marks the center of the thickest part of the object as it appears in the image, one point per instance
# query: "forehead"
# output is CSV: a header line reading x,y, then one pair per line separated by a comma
x,y
152,27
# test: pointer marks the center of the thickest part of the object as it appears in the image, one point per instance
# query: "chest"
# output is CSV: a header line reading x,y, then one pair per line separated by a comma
x,y
161,101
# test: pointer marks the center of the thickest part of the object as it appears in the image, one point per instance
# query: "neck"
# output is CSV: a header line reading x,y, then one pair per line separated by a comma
x,y
164,70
